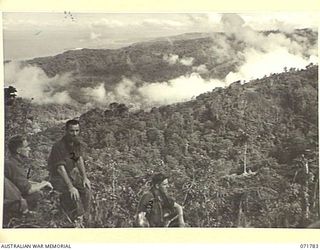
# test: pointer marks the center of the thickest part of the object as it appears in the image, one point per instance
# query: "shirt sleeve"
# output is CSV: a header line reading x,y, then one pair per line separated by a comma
x,y
56,158
17,176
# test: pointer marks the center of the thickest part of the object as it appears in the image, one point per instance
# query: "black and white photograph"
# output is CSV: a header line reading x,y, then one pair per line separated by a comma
x,y
155,120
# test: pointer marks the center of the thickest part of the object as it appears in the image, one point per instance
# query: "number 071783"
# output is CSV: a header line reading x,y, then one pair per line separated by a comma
x,y
309,246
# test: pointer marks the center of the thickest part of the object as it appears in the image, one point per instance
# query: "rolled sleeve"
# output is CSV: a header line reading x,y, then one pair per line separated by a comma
x,y
56,158
62,155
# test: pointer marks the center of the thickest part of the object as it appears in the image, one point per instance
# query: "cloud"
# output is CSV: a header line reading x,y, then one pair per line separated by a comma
x,y
59,98
180,89
32,82
151,94
94,36
283,21
256,54
264,54
173,59
124,92
160,22
107,23
232,23
187,61
96,94
201,69
259,64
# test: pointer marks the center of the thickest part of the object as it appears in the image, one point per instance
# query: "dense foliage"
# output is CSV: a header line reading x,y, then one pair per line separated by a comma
x,y
235,156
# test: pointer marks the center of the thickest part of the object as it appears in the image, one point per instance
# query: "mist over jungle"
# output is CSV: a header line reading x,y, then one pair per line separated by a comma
x,y
226,115
164,70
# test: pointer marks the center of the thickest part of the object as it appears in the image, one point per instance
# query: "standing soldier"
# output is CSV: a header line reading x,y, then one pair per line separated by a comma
x,y
157,209
68,175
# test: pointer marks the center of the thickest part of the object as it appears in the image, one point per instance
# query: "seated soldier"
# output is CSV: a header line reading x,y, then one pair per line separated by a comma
x,y
68,174
19,193
157,209
13,203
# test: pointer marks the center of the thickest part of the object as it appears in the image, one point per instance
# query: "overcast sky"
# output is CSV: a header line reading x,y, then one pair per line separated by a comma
x,y
29,35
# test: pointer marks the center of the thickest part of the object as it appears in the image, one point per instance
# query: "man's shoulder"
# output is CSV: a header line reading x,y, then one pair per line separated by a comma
x,y
11,162
8,161
146,201
59,144
148,195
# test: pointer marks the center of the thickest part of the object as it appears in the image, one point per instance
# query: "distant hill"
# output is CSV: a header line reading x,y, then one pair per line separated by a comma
x,y
149,61
142,60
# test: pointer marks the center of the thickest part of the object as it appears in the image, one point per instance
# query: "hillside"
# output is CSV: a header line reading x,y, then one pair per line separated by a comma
x,y
162,71
219,52
233,155
204,145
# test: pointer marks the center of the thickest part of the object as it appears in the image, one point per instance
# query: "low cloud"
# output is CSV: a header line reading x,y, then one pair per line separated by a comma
x,y
258,64
180,89
97,93
187,61
265,54
152,94
256,54
201,69
32,82
173,59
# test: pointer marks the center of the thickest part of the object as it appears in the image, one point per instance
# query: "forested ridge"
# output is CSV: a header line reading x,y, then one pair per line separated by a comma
x,y
219,52
234,155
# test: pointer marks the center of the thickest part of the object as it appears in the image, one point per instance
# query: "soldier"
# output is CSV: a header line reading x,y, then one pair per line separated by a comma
x,y
157,209
20,194
68,175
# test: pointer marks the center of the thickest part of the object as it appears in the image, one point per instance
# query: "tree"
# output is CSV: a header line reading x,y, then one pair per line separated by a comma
x,y
10,95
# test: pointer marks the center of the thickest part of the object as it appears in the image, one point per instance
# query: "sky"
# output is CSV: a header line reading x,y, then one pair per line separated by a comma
x,y
29,35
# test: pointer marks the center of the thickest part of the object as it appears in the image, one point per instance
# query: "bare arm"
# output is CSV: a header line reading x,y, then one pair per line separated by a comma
x,y
179,210
73,191
36,186
81,168
80,165
142,220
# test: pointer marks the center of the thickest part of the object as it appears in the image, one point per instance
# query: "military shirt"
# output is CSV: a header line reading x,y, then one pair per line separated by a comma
x,y
156,207
15,172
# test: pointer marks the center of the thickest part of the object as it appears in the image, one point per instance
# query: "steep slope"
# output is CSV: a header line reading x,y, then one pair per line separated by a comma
x,y
233,149
234,155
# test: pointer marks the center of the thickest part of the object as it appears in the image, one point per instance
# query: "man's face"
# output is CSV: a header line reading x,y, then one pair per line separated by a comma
x,y
163,186
73,131
24,150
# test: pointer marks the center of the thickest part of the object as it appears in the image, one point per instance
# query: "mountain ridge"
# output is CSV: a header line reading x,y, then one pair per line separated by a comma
x,y
130,58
